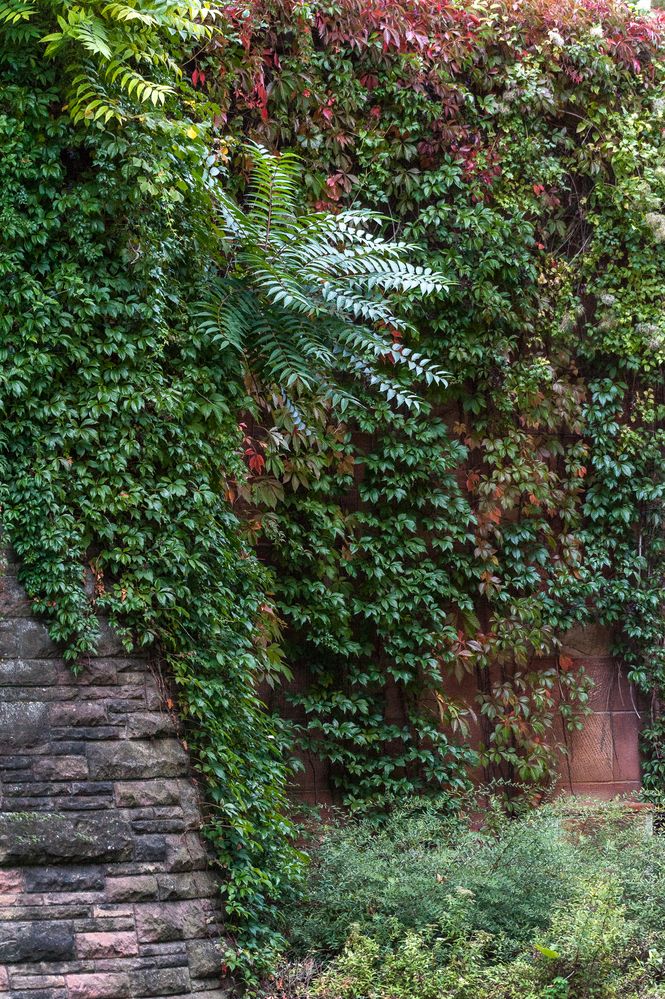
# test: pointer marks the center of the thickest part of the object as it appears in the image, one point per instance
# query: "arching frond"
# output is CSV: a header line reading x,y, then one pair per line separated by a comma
x,y
311,304
119,55
14,11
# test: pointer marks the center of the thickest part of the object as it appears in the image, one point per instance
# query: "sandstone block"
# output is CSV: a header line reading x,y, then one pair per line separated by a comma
x,y
205,958
51,940
44,838
12,882
30,672
194,884
160,982
149,725
106,985
108,642
25,638
78,714
62,768
13,601
144,794
187,853
22,723
131,889
151,849
142,759
106,945
64,879
171,921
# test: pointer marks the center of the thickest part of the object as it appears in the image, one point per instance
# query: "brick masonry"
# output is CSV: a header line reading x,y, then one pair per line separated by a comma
x,y
105,887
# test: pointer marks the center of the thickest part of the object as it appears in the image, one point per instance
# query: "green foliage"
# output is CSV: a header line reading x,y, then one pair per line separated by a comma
x,y
519,147
121,59
411,871
120,409
307,300
546,906
380,578
516,151
119,427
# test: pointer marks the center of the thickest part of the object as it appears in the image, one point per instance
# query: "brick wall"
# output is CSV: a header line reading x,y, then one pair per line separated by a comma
x,y
105,891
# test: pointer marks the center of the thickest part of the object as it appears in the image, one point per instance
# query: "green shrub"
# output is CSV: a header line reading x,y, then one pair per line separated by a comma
x,y
408,872
557,904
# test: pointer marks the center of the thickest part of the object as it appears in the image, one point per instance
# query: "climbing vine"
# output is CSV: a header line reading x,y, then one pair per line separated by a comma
x,y
419,541
141,307
119,428
520,147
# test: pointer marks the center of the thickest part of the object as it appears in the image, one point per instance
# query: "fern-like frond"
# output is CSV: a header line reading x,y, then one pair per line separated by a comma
x,y
125,12
14,11
311,304
121,55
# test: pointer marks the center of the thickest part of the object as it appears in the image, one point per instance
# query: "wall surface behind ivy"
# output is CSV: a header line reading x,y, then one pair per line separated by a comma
x,y
602,759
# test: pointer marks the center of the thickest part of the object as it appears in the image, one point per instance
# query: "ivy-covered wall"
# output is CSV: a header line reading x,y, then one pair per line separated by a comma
x,y
118,431
519,147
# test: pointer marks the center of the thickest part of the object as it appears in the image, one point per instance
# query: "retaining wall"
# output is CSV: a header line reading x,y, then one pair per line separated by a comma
x,y
105,886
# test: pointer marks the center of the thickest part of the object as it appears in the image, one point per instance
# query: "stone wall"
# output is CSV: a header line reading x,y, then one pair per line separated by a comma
x,y
105,891
602,760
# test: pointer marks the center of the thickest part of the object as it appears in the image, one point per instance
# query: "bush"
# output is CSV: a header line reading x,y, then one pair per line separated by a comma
x,y
407,873
562,902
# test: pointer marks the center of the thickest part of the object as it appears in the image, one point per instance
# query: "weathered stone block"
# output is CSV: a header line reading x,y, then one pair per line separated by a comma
x,y
186,853
143,794
106,944
194,884
64,879
13,601
204,958
47,837
61,768
151,849
160,982
34,982
122,760
38,941
38,993
78,714
12,882
25,638
22,723
106,985
26,673
173,921
149,725
131,889
108,642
